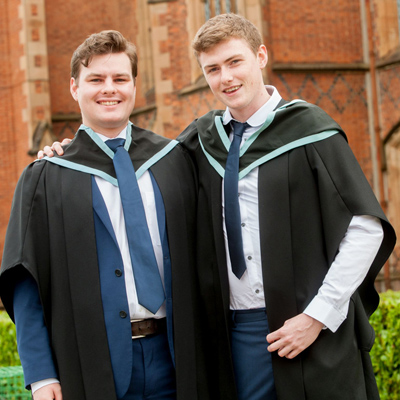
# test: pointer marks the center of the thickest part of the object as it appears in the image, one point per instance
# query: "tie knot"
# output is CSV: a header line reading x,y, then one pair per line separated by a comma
x,y
113,144
239,127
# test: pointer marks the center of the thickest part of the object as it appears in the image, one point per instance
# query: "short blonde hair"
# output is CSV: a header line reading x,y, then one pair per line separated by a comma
x,y
224,27
104,42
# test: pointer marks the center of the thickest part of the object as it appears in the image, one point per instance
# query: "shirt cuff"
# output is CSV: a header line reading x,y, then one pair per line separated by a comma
x,y
326,313
38,385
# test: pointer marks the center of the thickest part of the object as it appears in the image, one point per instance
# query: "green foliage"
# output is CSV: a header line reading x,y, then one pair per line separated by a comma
x,y
8,342
385,354
12,385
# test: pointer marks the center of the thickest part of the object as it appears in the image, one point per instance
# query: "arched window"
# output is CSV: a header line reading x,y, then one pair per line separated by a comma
x,y
216,7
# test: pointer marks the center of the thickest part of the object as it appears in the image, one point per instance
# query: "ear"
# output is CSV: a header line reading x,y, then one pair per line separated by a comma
x,y
73,87
262,56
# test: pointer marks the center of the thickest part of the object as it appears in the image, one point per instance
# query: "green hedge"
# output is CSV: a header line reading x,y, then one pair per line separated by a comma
x,y
8,342
12,386
386,351
385,354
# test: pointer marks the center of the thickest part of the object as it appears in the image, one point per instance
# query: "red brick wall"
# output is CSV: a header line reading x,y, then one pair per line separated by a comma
x,y
314,30
178,73
14,140
389,99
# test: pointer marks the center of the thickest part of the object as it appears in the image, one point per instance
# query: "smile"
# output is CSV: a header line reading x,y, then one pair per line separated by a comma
x,y
232,89
108,103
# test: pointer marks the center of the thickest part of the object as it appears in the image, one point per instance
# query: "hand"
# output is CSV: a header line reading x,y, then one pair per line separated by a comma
x,y
296,335
48,392
56,146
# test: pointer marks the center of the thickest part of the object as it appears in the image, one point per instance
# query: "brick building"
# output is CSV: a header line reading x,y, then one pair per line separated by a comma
x,y
343,55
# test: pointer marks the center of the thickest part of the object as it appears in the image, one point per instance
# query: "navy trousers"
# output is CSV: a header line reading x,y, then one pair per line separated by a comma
x,y
251,360
153,374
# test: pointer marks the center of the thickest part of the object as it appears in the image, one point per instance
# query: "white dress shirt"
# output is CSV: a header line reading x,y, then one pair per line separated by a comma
x,y
356,252
113,203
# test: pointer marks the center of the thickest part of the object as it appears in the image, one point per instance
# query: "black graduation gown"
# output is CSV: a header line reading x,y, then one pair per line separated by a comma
x,y
307,198
51,234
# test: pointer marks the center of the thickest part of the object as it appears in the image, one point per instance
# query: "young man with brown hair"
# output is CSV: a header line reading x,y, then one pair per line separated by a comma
x,y
101,287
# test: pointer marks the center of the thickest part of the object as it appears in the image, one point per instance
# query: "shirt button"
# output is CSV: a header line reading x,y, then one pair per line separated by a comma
x,y
257,291
243,224
123,314
118,272
249,257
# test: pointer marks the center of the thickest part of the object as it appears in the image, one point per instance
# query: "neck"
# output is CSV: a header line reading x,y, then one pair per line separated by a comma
x,y
110,133
258,101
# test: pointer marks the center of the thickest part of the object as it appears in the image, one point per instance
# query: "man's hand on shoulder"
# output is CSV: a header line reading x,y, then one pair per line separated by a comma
x,y
56,146
48,392
296,335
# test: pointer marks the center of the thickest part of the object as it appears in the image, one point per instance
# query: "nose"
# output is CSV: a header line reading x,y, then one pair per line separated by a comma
x,y
226,75
108,86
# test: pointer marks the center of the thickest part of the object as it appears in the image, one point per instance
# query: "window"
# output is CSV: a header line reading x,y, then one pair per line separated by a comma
x,y
216,7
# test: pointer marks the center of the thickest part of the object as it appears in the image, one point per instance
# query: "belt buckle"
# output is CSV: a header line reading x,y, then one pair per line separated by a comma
x,y
138,336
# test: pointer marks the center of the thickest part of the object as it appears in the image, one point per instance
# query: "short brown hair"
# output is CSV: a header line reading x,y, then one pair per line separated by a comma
x,y
224,27
104,42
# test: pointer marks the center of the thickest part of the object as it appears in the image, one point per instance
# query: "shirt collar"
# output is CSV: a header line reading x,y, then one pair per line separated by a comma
x,y
259,117
121,135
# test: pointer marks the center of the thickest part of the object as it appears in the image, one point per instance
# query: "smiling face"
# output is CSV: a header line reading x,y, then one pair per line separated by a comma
x,y
105,91
234,74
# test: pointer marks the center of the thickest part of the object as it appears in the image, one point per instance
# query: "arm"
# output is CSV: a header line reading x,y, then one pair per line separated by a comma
x,y
357,251
329,307
32,337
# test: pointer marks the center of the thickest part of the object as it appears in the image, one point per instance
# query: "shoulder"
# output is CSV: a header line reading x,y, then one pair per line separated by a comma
x,y
299,106
31,176
178,158
189,137
334,148
30,192
207,121
305,117
141,134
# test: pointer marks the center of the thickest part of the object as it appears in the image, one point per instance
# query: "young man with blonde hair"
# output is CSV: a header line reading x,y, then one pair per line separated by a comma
x,y
290,233
101,288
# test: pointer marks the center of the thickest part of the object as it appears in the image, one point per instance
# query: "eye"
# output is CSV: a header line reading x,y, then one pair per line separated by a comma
x,y
212,70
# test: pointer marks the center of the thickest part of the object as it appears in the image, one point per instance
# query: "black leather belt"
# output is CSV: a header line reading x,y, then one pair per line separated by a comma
x,y
147,327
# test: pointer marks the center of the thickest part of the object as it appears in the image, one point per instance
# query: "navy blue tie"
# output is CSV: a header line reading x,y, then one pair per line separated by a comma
x,y
232,210
148,282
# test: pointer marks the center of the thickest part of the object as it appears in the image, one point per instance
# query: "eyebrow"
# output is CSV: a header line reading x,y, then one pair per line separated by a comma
x,y
93,74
